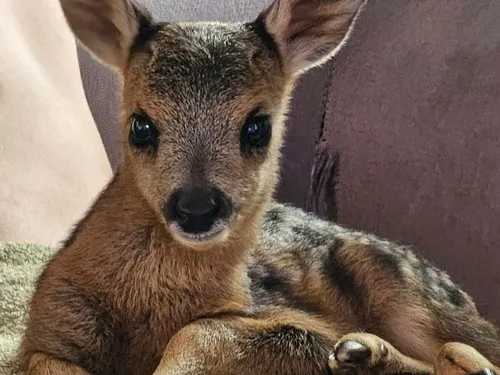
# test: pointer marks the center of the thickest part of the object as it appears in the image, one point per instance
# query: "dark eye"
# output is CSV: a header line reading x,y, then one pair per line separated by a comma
x,y
255,133
143,133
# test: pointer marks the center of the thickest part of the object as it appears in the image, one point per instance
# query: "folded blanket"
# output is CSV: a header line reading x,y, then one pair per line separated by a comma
x,y
20,266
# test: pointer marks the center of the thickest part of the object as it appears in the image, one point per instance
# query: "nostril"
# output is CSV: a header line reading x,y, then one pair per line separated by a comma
x,y
182,209
198,205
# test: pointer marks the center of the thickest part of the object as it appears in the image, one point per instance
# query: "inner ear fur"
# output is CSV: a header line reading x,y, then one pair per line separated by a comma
x,y
309,32
107,28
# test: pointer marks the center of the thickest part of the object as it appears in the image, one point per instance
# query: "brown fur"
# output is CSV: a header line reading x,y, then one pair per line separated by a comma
x,y
277,290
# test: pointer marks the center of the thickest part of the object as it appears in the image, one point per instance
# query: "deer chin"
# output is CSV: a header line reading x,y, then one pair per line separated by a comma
x,y
217,233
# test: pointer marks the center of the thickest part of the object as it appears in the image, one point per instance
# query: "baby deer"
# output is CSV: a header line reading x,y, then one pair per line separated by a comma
x,y
185,266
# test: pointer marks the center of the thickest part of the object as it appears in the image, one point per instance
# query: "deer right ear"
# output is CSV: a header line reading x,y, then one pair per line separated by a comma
x,y
107,28
308,32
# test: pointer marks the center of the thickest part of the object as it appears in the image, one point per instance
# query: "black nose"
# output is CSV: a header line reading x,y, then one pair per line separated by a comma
x,y
197,208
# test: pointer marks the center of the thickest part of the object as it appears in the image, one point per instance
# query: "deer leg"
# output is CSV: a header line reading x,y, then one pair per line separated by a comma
x,y
41,364
276,342
364,353
460,359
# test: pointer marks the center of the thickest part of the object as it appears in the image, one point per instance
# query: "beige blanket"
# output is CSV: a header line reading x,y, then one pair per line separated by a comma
x,y
20,266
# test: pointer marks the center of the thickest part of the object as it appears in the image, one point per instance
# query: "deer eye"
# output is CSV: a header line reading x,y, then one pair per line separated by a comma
x,y
255,133
143,133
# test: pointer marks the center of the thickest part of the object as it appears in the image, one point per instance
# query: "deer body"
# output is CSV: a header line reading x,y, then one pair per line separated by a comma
x,y
136,287
185,266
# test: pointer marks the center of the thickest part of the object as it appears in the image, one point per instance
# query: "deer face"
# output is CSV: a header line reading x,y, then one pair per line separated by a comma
x,y
203,104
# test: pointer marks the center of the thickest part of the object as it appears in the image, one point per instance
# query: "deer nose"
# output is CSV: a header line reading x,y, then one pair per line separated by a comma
x,y
197,205
196,209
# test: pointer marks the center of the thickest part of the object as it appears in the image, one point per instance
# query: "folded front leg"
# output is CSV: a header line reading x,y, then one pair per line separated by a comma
x,y
364,354
460,359
41,364
397,295
274,342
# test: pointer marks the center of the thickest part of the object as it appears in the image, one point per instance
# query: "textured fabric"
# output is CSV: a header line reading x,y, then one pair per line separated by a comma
x,y
52,160
20,265
414,113
321,196
303,131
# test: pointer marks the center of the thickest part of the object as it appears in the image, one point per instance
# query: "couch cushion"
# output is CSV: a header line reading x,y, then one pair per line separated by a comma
x,y
414,114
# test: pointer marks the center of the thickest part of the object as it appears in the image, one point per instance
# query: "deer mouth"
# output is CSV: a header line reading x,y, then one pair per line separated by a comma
x,y
217,232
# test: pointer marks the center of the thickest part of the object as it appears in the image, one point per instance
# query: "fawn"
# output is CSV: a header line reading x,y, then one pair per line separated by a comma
x,y
184,265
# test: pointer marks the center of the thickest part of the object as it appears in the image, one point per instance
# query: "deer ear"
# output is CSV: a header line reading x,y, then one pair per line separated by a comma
x,y
107,28
309,32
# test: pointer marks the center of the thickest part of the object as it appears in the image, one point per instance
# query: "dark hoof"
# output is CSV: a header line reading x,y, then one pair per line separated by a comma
x,y
485,371
352,352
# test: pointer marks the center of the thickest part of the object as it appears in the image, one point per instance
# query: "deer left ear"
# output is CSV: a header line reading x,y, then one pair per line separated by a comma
x,y
309,32
107,28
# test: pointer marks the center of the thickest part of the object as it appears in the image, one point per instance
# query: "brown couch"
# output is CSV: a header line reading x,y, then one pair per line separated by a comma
x,y
399,136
